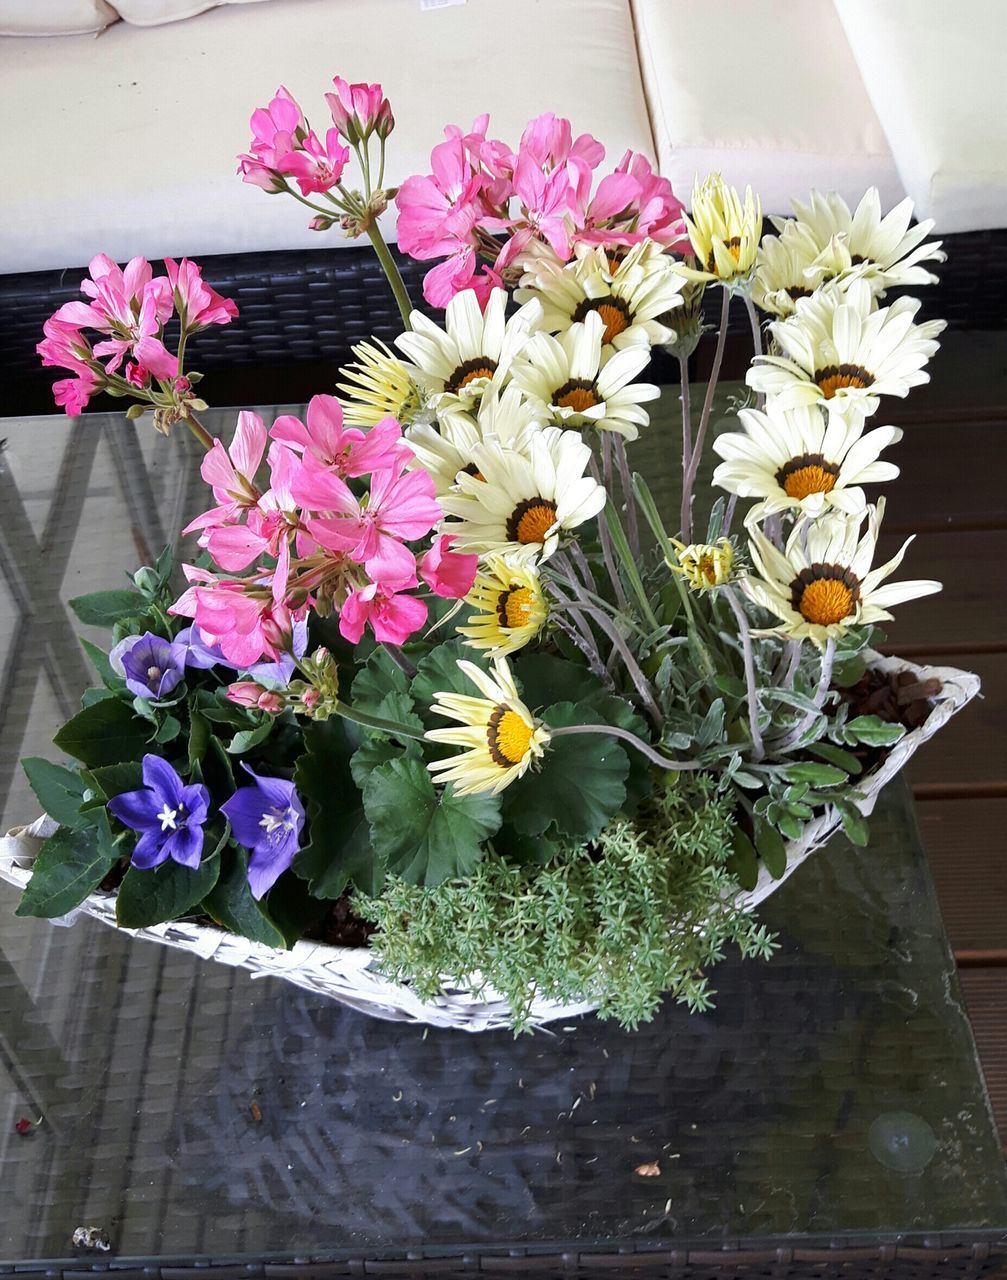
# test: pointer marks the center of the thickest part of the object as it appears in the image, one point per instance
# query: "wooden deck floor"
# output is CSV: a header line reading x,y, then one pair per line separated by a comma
x,y
951,494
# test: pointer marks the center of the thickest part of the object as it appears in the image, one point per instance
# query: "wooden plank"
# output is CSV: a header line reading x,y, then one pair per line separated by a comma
x,y
944,482
985,992
972,747
970,611
966,844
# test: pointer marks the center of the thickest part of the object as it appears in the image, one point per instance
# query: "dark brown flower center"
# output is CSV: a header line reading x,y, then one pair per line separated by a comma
x,y
614,311
835,377
531,520
578,394
508,736
480,367
808,474
825,594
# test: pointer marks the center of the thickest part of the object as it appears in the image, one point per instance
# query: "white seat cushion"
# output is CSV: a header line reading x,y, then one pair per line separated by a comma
x,y
127,144
766,92
935,74
54,17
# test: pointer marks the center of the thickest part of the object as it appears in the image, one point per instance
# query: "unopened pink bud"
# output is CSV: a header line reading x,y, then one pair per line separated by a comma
x,y
311,699
271,702
245,693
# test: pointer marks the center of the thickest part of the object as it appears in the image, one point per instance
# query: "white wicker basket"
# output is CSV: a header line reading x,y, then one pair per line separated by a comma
x,y
346,974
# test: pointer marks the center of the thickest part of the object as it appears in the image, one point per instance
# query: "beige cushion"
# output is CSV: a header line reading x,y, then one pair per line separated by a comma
x,y
150,13
935,74
766,92
145,124
54,17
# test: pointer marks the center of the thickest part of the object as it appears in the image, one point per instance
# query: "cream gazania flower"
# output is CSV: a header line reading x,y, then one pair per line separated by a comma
x,y
630,295
570,375
724,232
510,606
884,251
837,347
459,363
521,500
446,449
824,583
378,385
802,460
786,269
501,736
704,565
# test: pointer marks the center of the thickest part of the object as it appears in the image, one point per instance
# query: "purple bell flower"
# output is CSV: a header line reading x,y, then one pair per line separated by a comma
x,y
197,652
151,665
280,672
266,819
168,814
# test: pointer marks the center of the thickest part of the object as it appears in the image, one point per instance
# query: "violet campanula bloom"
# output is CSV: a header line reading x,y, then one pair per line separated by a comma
x,y
281,671
168,813
197,652
266,819
151,665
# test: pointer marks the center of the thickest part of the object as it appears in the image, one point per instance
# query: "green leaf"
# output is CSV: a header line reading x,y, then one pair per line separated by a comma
x,y
339,850
106,608
730,685
168,730
743,864
873,731
622,714
854,823
70,865
581,783
424,834
292,908
59,791
818,775
849,671
844,760
101,664
199,737
712,728
113,779
163,893
525,850
107,732
231,904
438,672
90,696
771,848
544,679
245,739
374,751
381,688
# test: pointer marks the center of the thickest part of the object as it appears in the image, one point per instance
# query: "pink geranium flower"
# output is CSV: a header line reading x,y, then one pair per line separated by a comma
x,y
392,613
315,166
242,618
358,110
275,127
345,450
448,573
198,305
399,508
231,473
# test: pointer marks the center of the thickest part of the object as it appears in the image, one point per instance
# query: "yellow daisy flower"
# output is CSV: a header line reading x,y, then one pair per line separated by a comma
x,y
378,385
511,607
723,230
704,564
501,736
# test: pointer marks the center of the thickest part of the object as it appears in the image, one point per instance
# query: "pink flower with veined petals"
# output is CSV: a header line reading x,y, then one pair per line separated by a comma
x,y
345,450
242,618
392,614
136,374
231,473
275,127
198,305
314,166
358,110
548,142
437,212
74,393
448,573
271,522
399,508
442,282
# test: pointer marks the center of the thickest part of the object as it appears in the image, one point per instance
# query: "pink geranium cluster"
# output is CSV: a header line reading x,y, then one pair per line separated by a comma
x,y
484,204
129,307
285,146
316,536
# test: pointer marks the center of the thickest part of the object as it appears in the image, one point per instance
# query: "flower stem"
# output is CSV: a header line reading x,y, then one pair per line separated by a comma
x,y
633,669
392,273
198,430
686,399
608,554
391,727
628,498
400,659
615,731
689,479
744,631
621,546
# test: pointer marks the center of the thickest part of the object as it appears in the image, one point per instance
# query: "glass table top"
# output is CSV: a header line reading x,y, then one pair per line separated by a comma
x,y
833,1094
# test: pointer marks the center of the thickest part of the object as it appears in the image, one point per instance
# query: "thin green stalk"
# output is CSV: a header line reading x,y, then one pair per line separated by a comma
x,y
392,727
391,271
614,731
198,430
689,479
621,545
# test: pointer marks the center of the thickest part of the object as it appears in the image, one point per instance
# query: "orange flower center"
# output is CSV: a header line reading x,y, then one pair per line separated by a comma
x,y
472,470
480,367
613,311
577,394
836,377
508,736
531,520
808,474
733,247
514,607
825,594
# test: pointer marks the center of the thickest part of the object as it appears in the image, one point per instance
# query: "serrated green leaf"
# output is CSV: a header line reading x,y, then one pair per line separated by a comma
x,y
106,608
872,731
90,696
70,865
59,791
426,834
168,730
231,904
375,751
163,893
771,849
579,786
525,850
545,679
292,908
438,672
105,733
